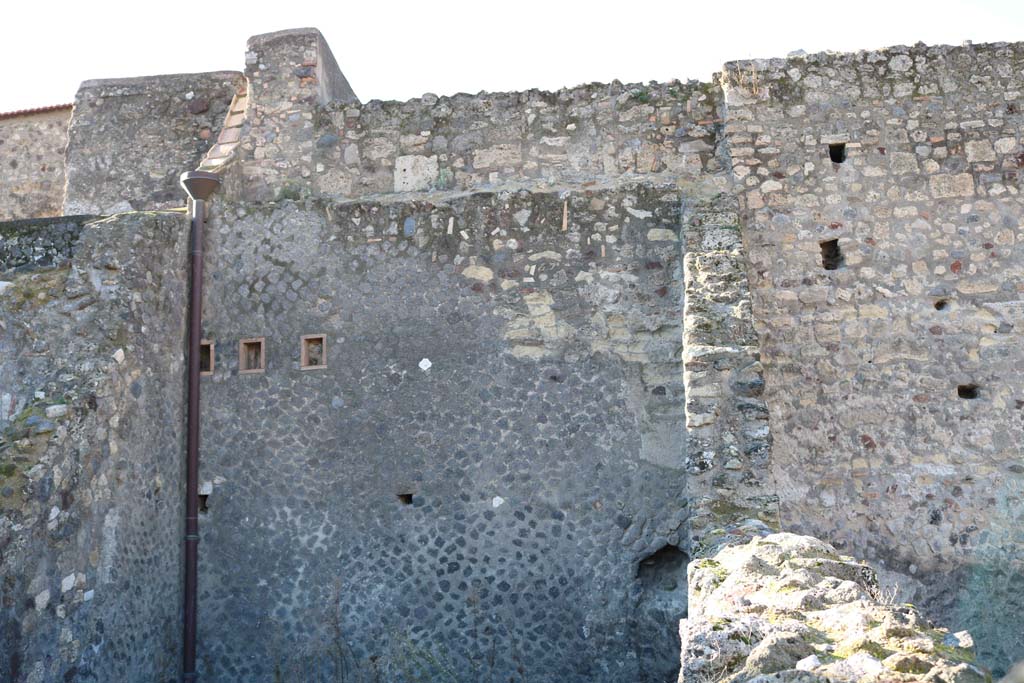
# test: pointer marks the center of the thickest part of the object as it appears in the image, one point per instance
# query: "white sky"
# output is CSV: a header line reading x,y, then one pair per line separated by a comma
x,y
400,50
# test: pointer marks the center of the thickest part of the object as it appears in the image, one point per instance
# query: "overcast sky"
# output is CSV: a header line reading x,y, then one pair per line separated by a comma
x,y
400,50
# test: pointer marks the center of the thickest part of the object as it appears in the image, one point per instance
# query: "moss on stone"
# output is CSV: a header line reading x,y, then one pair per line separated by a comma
x,y
876,650
36,288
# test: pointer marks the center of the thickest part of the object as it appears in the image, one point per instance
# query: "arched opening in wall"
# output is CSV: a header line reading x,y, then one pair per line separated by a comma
x,y
661,579
837,152
968,391
831,255
662,568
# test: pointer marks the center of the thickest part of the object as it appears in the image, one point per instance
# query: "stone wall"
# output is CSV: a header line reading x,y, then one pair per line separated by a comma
x,y
91,395
486,477
888,293
546,316
32,161
727,434
131,138
303,138
41,242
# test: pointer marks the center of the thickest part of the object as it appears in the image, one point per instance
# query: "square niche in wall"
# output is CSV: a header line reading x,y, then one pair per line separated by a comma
x,y
206,357
252,355
313,351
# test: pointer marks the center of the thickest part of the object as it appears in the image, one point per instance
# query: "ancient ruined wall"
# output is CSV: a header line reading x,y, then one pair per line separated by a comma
x,y
90,456
488,472
893,378
32,163
40,242
302,138
727,434
131,138
589,135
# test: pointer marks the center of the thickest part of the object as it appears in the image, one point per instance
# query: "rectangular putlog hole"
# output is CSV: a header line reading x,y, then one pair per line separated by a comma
x,y
313,351
252,355
837,152
206,357
968,391
831,255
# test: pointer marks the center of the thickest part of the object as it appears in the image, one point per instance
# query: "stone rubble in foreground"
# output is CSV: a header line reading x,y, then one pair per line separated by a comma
x,y
785,607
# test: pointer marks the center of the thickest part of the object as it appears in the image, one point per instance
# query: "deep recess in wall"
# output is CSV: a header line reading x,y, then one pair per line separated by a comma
x,y
968,391
837,152
206,358
313,353
662,569
941,304
831,255
252,355
405,498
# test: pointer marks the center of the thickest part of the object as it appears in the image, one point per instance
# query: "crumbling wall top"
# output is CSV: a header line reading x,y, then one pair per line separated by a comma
x,y
130,138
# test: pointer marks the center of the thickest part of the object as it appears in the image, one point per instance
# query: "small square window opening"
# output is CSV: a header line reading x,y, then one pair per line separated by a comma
x,y
206,357
252,355
313,351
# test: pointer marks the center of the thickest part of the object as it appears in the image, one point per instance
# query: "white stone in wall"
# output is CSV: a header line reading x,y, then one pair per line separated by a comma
x,y
960,185
980,150
415,173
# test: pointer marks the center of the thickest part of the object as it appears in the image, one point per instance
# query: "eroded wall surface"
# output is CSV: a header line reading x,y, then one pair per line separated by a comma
x,y
307,137
728,440
871,367
32,163
91,397
40,242
131,138
510,365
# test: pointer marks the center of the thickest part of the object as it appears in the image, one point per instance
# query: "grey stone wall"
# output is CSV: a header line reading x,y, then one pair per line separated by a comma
x,y
544,385
291,75
131,138
486,479
32,162
41,242
90,457
304,138
727,431
589,135
869,366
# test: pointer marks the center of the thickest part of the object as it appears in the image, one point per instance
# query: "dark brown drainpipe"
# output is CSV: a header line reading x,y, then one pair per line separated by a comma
x,y
199,185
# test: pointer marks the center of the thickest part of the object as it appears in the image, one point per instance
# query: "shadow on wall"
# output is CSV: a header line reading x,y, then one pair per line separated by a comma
x,y
989,605
662,582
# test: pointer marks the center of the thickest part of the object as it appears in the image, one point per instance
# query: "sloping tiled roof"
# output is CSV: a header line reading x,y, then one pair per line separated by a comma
x,y
29,112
